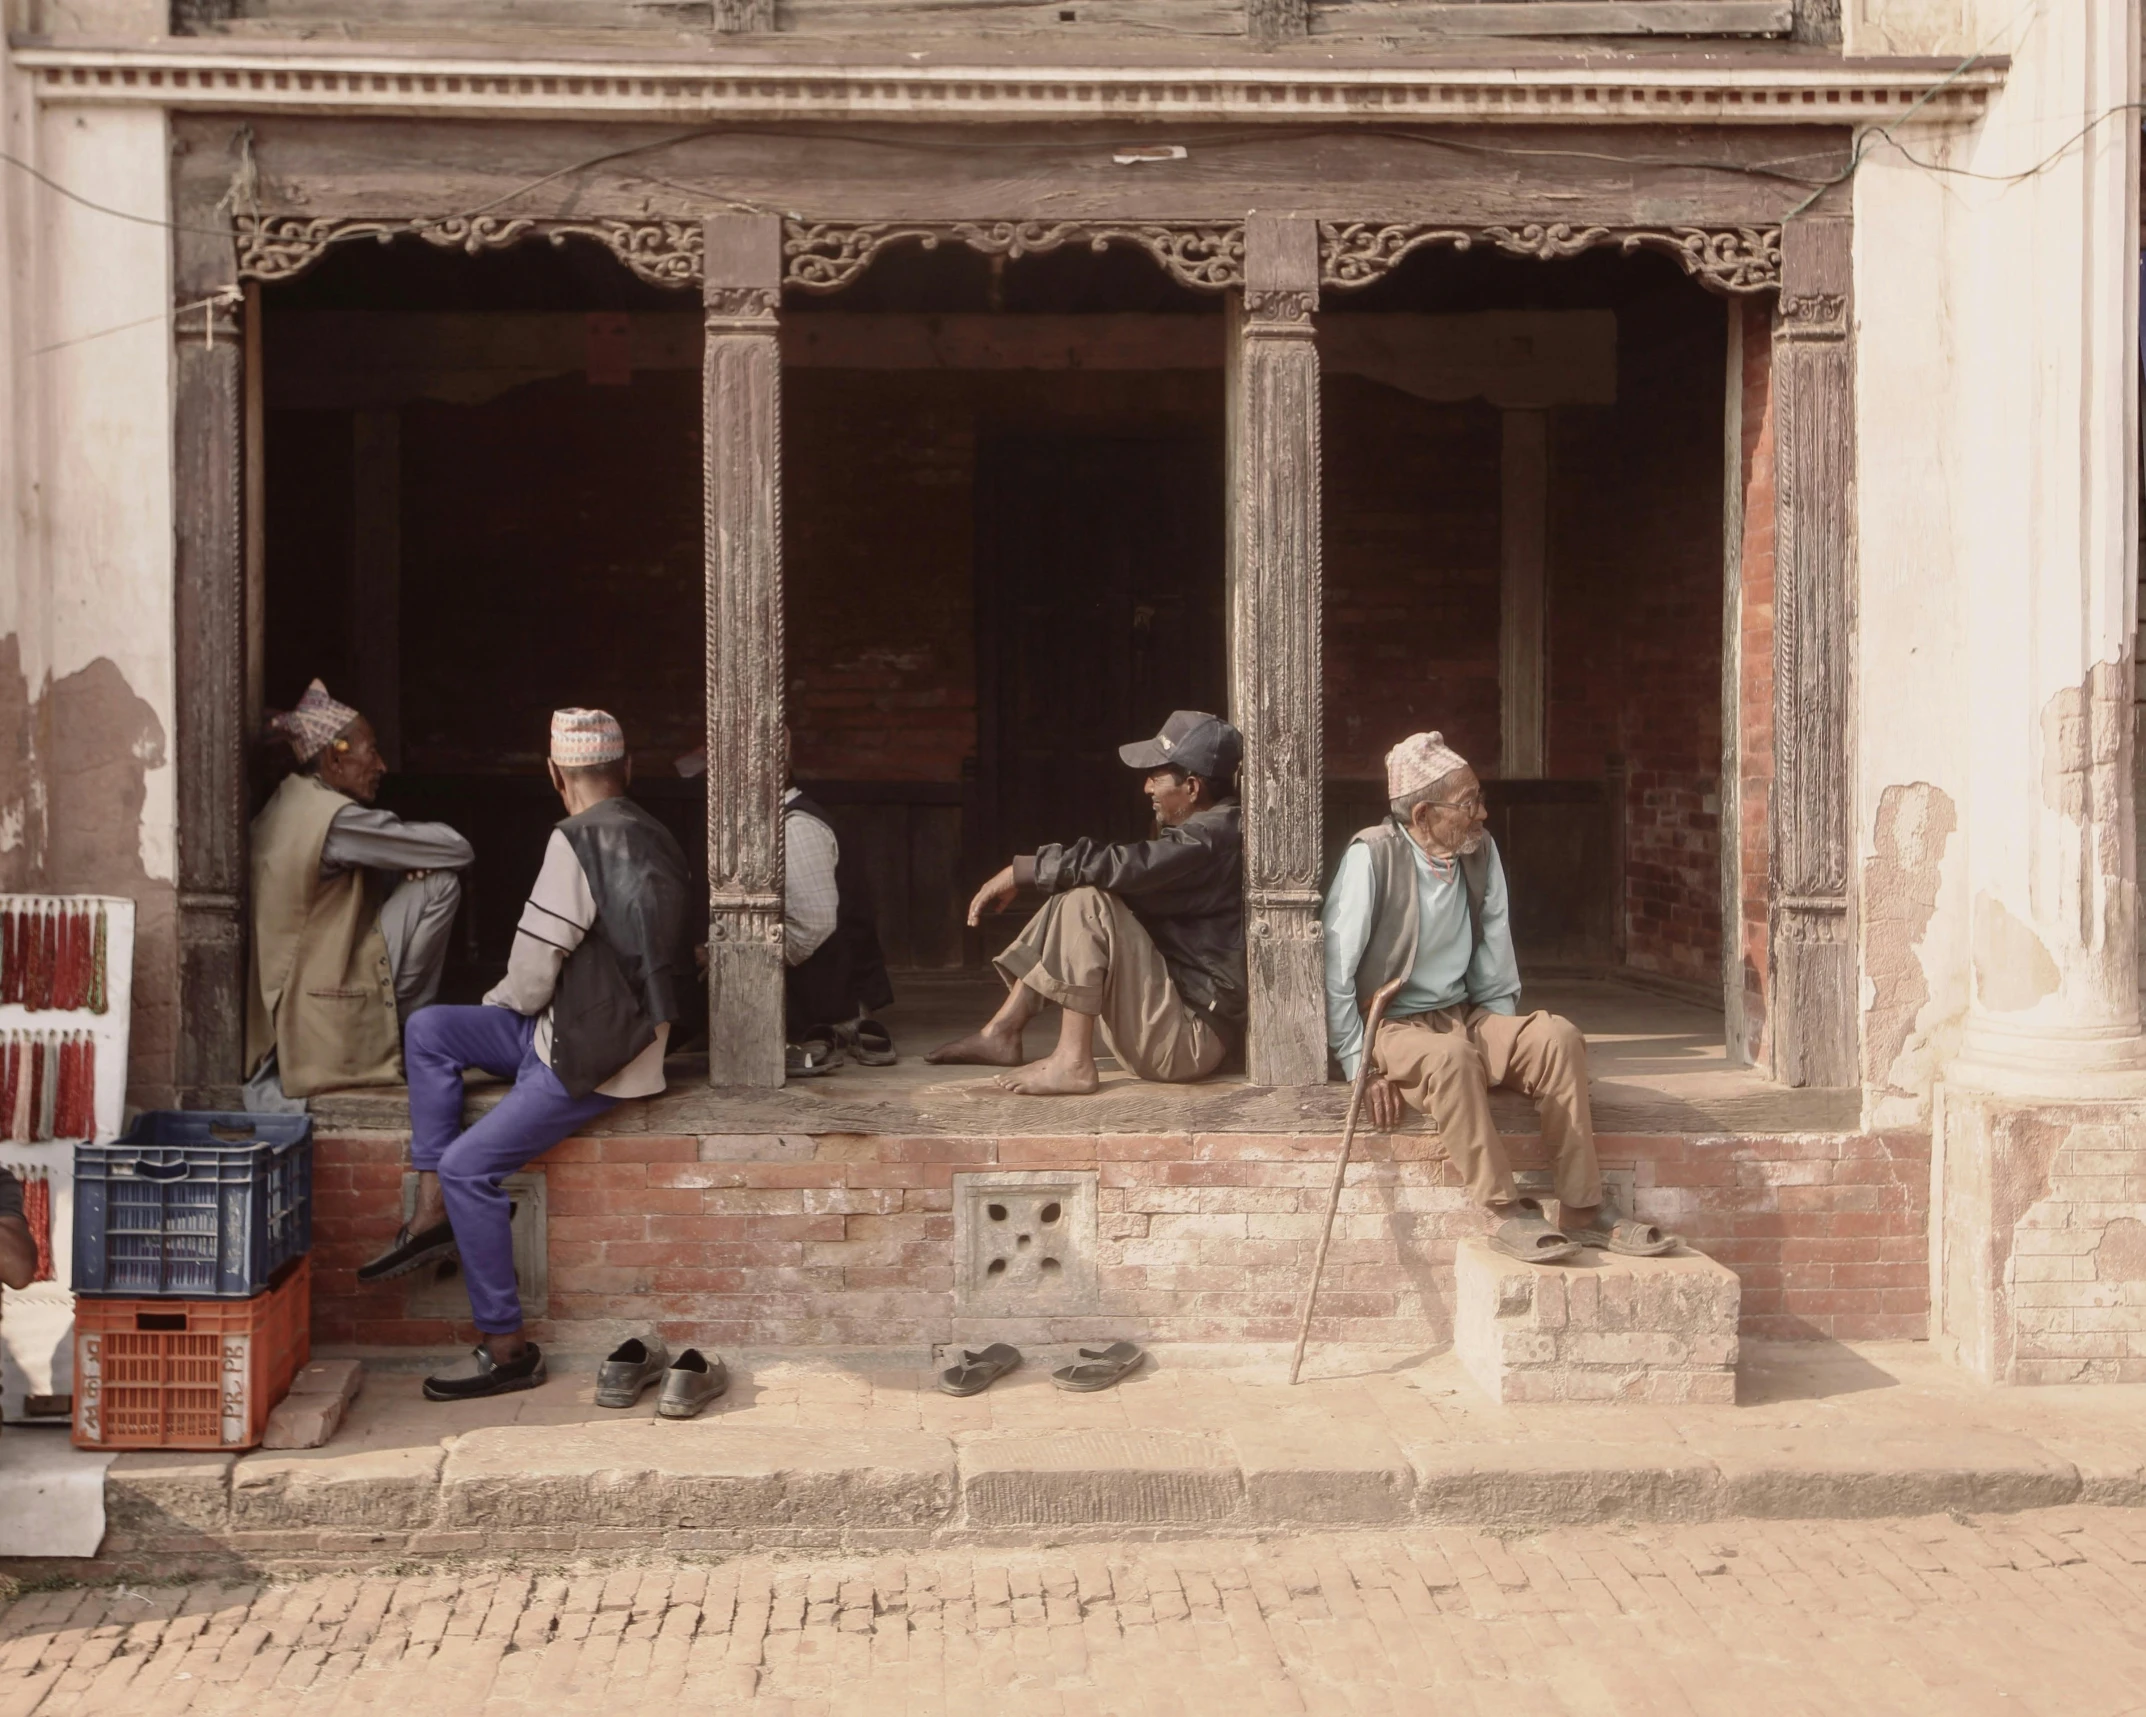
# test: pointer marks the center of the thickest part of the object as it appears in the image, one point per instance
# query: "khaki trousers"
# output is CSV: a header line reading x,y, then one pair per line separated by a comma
x,y
1086,951
1445,1064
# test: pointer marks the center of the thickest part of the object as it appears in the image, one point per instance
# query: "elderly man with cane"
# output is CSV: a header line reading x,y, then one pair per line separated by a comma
x,y
1419,902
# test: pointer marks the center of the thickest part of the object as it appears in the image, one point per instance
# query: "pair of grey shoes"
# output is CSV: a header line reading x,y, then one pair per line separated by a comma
x,y
690,1381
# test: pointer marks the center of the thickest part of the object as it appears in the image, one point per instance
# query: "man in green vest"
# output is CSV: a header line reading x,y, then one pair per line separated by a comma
x,y
352,909
1421,897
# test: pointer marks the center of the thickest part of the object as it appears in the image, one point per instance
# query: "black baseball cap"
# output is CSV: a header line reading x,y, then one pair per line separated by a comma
x,y
1194,741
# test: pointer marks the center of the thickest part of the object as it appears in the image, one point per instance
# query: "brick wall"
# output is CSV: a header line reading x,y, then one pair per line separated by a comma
x,y
848,1239
1635,620
1411,568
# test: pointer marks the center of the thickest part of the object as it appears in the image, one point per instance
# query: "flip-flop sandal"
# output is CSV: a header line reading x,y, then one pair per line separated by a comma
x,y
1533,1238
1105,1367
1630,1237
811,1058
869,1043
978,1371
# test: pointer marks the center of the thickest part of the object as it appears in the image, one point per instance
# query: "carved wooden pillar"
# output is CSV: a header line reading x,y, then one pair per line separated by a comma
x,y
1523,621
1275,682
209,577
1814,990
742,494
1272,22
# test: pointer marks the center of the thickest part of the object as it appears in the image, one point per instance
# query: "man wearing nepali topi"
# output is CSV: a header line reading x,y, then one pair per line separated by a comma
x,y
1421,897
352,909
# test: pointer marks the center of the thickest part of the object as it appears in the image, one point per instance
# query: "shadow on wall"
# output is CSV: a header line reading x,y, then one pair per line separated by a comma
x,y
74,767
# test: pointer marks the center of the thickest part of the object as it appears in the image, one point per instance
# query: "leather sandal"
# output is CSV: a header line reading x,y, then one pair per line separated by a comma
x,y
868,1043
978,1371
1104,1368
1627,1236
1533,1238
818,1053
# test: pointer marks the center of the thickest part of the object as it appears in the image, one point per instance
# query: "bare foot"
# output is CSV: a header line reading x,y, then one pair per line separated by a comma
x,y
1049,1079
986,1048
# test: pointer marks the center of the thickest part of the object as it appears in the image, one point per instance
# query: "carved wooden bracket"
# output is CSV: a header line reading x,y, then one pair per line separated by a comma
x,y
1730,259
825,256
281,247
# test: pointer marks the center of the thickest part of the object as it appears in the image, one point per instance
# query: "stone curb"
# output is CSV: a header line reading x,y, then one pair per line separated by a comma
x,y
648,1485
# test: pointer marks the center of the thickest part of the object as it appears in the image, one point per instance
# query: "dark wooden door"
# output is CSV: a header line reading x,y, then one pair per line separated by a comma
x,y
1099,572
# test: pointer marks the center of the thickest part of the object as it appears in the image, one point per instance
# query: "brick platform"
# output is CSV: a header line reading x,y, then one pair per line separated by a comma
x,y
1601,1328
848,1239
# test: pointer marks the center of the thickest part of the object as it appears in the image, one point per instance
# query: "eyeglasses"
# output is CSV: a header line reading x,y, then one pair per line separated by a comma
x,y
1472,802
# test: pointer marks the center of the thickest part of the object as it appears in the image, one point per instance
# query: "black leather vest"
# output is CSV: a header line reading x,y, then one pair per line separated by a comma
x,y
633,969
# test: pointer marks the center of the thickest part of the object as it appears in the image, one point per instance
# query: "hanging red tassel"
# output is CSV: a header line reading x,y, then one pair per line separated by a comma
x,y
37,1213
63,1109
63,950
10,957
97,989
10,1069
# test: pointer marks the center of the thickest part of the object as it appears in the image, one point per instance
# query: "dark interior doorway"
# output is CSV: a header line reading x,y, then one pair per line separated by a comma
x,y
1099,610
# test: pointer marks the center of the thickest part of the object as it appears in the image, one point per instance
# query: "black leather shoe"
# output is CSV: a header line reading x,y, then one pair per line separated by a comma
x,y
632,1367
490,1376
411,1252
690,1384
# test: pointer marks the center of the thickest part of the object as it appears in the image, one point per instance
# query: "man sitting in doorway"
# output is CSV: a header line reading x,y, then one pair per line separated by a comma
x,y
1144,939
835,973
600,964
352,909
1421,897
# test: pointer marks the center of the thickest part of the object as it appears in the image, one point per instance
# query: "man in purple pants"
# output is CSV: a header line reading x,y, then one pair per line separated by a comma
x,y
600,962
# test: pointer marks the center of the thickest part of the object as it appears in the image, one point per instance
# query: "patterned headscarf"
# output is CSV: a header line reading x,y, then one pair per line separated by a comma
x,y
315,724
1417,761
582,737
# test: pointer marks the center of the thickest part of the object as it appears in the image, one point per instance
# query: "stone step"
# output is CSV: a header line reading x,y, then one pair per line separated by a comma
x,y
849,1465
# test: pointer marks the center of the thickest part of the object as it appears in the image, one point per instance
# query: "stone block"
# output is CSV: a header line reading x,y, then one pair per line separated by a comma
x,y
1101,1477
709,1474
1024,1243
342,1378
387,1490
302,1422
1602,1328
1321,1471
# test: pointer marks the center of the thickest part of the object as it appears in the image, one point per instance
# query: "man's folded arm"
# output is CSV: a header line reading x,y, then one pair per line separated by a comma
x,y
364,837
555,918
1123,867
1347,920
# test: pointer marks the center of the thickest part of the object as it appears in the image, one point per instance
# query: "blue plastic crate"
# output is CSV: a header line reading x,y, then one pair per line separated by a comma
x,y
193,1204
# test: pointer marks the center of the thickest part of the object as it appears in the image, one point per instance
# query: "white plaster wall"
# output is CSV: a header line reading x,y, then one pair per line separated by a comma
x,y
100,549
1913,679
1907,26
1996,507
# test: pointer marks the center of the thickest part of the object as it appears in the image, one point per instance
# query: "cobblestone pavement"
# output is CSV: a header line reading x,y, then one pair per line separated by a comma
x,y
2014,1614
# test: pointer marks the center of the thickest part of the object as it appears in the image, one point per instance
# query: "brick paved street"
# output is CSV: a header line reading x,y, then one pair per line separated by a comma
x,y
2015,1614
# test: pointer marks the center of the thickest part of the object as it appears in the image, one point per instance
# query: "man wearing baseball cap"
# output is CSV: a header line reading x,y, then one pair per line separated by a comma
x,y
1421,898
1142,940
601,962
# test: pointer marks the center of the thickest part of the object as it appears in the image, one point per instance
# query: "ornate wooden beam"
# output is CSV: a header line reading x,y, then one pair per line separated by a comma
x,y
747,755
1729,260
1272,380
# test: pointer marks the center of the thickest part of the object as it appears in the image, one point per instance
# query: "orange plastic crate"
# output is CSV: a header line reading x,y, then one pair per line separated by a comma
x,y
189,1374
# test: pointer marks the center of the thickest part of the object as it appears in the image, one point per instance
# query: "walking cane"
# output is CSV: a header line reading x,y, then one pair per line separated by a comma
x,y
1341,1168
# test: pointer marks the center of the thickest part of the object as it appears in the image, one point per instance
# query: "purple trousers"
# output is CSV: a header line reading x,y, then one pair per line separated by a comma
x,y
437,1044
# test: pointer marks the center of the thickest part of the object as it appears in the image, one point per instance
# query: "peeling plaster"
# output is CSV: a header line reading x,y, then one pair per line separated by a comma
x,y
75,764
1915,823
2013,969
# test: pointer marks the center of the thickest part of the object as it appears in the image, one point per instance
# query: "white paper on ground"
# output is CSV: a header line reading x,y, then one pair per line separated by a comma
x,y
51,1494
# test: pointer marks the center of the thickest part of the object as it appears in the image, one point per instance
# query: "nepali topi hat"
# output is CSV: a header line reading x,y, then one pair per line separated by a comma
x,y
583,738
1417,762
315,724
